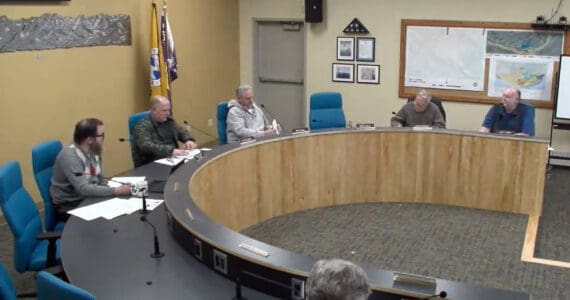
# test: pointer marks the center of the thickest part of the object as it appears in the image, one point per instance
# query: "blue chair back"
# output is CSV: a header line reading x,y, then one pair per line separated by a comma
x,y
43,160
49,287
24,220
133,120
222,116
7,291
326,111
532,112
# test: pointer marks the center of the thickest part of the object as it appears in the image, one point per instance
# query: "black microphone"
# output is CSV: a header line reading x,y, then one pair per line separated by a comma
x,y
271,115
441,295
156,253
106,178
198,129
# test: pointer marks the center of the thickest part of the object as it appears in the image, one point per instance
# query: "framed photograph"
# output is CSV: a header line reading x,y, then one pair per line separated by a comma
x,y
343,72
344,48
368,74
365,49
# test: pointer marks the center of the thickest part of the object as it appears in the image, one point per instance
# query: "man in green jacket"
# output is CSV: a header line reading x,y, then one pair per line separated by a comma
x,y
158,135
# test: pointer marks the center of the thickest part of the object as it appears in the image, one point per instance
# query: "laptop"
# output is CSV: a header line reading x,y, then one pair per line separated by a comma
x,y
157,186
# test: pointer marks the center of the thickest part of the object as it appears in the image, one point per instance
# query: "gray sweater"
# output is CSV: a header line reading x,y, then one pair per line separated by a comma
x,y
67,186
243,122
409,117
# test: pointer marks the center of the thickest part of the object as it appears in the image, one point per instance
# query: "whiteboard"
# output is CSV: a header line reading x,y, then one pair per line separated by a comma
x,y
563,97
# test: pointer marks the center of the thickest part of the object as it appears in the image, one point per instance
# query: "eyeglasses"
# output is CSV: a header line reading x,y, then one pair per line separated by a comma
x,y
102,135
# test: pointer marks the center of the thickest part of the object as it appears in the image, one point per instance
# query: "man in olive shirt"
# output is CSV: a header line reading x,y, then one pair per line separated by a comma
x,y
158,135
420,112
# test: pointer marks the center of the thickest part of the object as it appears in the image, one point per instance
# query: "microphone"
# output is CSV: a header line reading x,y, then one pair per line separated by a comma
x,y
441,295
156,253
271,115
190,127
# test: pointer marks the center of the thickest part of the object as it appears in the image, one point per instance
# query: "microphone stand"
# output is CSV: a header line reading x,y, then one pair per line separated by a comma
x,y
271,115
189,127
144,211
157,253
238,290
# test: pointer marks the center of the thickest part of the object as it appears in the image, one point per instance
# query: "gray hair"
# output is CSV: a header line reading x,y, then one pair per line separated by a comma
x,y
337,279
424,94
242,89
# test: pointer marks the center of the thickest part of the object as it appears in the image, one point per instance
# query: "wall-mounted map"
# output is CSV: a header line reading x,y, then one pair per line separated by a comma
x,y
525,42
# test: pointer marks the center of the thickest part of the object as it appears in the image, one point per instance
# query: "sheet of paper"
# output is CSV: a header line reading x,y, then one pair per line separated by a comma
x,y
108,209
169,161
113,208
126,180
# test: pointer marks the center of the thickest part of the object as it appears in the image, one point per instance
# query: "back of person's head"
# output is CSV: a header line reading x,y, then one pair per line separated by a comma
x,y
337,279
86,128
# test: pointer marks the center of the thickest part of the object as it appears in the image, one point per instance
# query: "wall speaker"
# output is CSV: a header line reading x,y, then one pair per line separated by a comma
x,y
313,11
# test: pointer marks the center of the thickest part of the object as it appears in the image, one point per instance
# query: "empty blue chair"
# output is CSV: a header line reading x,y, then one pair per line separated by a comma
x,y
7,290
222,116
49,287
326,111
43,160
33,249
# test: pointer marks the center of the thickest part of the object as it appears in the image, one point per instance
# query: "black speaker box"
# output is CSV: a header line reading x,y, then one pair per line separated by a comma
x,y
313,11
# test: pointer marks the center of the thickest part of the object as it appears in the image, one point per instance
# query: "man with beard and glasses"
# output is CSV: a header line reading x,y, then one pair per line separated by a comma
x,y
78,172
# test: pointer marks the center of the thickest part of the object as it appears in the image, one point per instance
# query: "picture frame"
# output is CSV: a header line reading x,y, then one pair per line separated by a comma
x,y
344,48
342,72
365,49
368,74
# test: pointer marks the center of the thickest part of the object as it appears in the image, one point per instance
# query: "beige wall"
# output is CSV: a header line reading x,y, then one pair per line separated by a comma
x,y
44,93
382,18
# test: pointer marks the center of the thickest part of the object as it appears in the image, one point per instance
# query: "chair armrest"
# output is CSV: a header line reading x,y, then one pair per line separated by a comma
x,y
49,235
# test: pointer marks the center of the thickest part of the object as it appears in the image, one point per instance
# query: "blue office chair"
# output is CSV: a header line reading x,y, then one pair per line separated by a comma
x,y
326,111
34,250
133,120
50,287
222,116
532,112
43,160
7,290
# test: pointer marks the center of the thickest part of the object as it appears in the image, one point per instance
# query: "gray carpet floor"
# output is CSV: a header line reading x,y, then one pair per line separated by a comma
x,y
468,245
474,246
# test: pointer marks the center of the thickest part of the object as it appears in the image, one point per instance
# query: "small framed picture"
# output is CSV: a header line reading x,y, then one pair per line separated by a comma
x,y
345,48
343,72
368,74
365,49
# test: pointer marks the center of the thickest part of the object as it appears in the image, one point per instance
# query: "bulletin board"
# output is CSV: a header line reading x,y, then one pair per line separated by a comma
x,y
473,61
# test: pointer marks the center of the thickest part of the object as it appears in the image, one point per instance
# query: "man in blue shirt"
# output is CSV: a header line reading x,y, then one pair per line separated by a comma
x,y
510,116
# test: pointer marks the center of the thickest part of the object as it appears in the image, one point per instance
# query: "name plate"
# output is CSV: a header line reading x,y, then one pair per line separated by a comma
x,y
300,130
421,128
246,140
365,126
